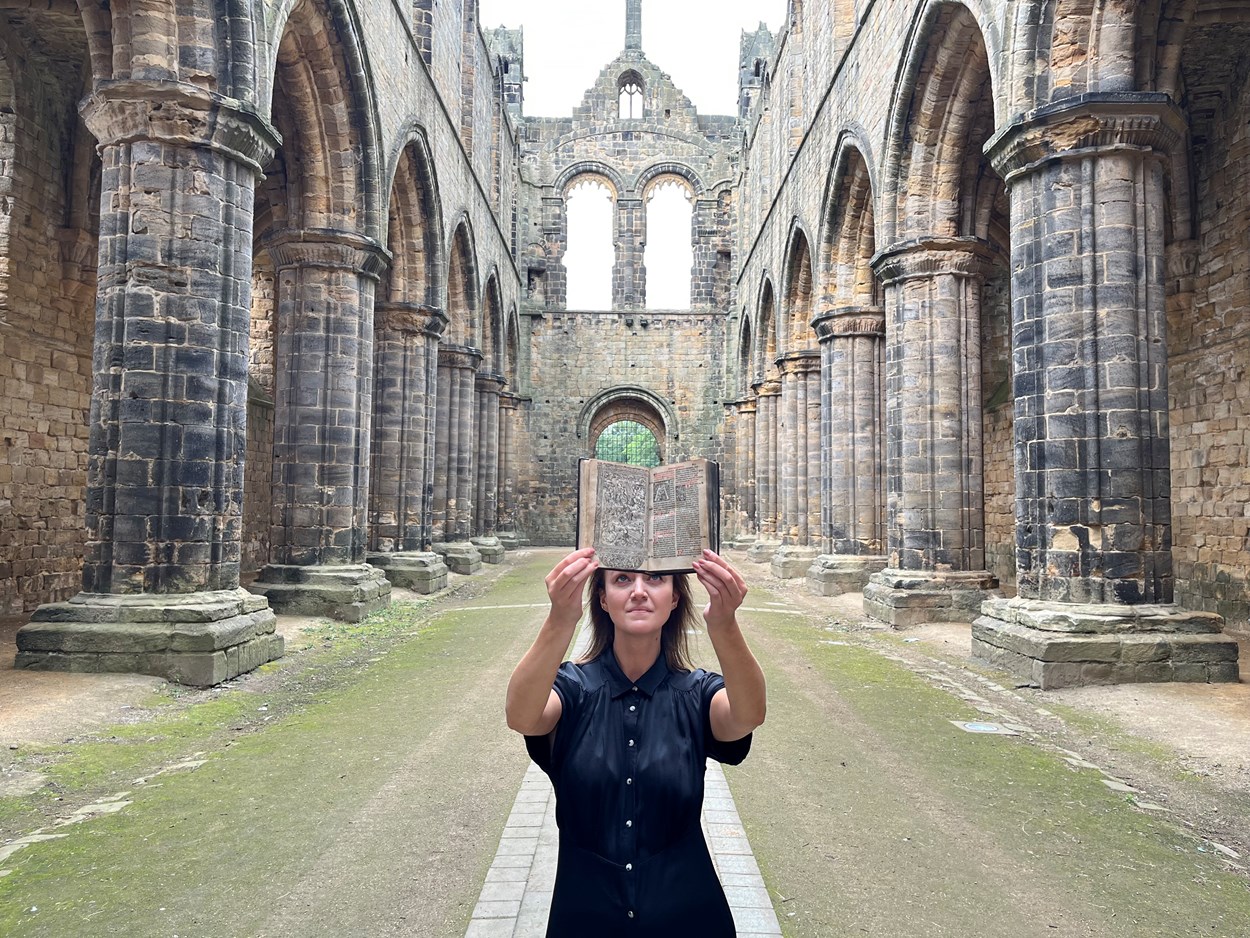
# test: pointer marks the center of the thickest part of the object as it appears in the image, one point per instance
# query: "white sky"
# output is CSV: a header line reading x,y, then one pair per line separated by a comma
x,y
567,43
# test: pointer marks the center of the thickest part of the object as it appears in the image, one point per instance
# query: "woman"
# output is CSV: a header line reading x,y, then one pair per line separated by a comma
x,y
624,733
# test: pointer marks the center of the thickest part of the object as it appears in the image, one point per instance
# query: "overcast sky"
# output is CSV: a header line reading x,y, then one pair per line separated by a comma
x,y
567,43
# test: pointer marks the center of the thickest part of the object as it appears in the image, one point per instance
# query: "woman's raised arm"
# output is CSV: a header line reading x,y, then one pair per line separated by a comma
x,y
739,707
532,707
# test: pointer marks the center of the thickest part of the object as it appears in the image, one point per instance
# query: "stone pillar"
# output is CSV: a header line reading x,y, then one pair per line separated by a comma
x,y
706,237
730,502
936,505
407,338
556,238
453,458
628,288
486,503
509,414
1093,545
746,472
323,354
852,434
160,581
767,402
800,384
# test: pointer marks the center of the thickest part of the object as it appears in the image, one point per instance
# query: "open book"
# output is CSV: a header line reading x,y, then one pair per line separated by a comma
x,y
658,520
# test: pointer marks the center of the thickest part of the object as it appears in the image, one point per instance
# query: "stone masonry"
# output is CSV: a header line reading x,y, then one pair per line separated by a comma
x,y
285,321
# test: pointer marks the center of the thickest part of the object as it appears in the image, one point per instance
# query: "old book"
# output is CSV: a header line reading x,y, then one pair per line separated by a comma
x,y
658,520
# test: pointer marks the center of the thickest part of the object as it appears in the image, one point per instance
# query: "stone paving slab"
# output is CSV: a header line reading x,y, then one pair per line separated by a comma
x,y
516,896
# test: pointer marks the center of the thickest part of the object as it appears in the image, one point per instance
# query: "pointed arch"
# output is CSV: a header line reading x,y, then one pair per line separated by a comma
x,y
512,349
743,361
415,228
463,297
799,290
939,177
492,335
764,358
849,236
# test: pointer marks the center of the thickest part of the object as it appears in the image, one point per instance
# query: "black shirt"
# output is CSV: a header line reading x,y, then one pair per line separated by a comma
x,y
627,762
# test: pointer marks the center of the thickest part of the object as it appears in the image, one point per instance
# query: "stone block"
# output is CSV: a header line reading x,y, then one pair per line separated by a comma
x,y
762,551
789,562
460,556
422,572
489,549
349,592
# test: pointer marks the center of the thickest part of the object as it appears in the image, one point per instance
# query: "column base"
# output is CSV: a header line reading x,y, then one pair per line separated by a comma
x,y
511,540
200,639
761,551
491,549
460,556
741,541
791,561
348,592
835,574
905,598
419,571
1054,645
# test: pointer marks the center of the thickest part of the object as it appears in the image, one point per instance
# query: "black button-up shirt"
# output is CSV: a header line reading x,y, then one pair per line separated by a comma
x,y
627,761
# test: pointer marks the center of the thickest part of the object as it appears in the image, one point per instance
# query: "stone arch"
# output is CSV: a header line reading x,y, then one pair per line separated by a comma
x,y
799,290
627,402
651,174
849,237
512,348
941,183
463,298
415,228
631,90
742,361
764,356
492,344
594,168
327,117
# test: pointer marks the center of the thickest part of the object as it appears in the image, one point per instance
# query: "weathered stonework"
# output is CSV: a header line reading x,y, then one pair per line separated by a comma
x,y
976,328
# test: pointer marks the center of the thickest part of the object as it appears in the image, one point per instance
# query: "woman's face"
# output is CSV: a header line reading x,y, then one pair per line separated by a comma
x,y
638,603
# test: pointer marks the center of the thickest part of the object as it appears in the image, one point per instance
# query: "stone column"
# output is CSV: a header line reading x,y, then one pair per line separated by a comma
x,y
936,504
706,237
731,510
453,458
160,580
767,402
1088,182
800,383
628,289
407,338
323,354
509,414
852,434
486,503
746,472
556,237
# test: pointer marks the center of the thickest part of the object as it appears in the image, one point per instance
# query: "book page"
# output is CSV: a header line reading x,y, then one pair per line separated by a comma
x,y
612,513
680,526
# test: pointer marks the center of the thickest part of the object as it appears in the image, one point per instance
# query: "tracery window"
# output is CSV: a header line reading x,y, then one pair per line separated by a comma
x,y
630,97
630,442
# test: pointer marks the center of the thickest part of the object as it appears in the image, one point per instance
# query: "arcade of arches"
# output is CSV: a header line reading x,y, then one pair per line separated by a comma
x,y
285,318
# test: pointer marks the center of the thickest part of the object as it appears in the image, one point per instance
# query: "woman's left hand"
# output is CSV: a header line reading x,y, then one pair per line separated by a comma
x,y
725,589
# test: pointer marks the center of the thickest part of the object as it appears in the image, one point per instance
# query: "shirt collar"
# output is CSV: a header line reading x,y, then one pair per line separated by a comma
x,y
648,684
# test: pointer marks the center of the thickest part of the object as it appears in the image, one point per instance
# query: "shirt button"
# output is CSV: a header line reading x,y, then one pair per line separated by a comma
x,y
629,823
629,781
632,708
628,867
631,742
630,913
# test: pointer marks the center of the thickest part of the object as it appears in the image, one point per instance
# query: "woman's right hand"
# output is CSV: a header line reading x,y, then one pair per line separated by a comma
x,y
566,585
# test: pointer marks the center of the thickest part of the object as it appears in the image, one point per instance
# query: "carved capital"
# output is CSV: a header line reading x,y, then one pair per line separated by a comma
x,y
327,248
459,356
850,321
409,319
490,382
769,388
180,114
929,257
1083,125
510,401
1182,259
801,362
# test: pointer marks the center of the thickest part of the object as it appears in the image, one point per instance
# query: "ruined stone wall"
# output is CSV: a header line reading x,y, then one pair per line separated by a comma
x,y
673,356
46,303
1209,338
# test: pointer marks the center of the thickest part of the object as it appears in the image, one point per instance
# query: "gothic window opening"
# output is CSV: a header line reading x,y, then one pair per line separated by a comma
x,y
630,97
669,254
629,442
589,255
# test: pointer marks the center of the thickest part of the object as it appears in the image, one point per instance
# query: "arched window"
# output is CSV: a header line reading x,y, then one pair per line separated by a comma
x,y
630,87
630,442
589,255
669,255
